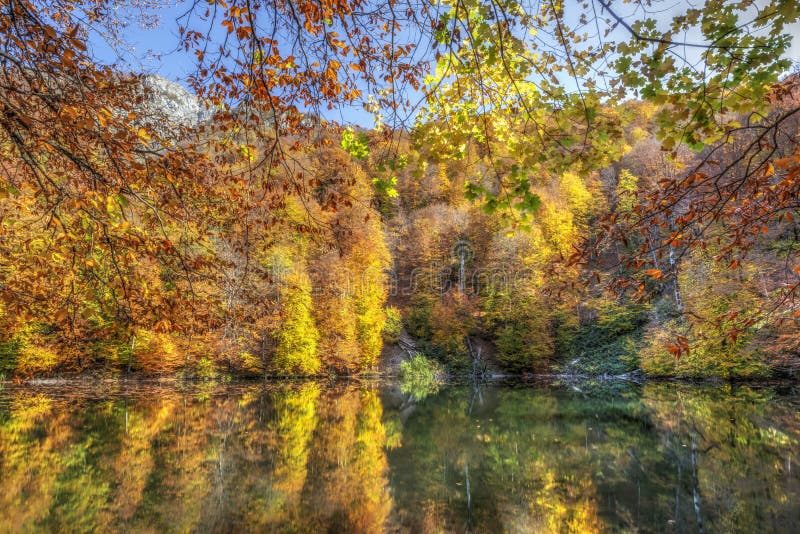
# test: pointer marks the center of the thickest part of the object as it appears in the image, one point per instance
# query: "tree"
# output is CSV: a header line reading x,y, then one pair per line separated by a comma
x,y
96,233
110,218
533,89
297,336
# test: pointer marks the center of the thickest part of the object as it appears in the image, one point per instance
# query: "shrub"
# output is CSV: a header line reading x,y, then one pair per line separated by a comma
x,y
250,364
440,328
708,357
420,376
34,359
609,343
205,368
9,351
524,343
419,319
27,352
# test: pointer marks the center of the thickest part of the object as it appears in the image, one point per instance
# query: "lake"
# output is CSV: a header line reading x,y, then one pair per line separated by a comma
x,y
367,457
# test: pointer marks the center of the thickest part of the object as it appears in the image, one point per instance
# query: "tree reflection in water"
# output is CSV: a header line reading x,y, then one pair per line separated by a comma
x,y
316,457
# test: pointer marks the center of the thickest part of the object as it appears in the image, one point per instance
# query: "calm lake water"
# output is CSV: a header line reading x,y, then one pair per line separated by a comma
x,y
364,457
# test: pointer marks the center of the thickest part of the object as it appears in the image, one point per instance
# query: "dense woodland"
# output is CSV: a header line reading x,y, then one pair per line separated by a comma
x,y
515,225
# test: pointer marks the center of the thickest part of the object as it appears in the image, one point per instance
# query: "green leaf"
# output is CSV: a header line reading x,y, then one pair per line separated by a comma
x,y
357,145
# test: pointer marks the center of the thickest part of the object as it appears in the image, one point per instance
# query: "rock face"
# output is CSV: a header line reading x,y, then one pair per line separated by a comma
x,y
168,106
173,102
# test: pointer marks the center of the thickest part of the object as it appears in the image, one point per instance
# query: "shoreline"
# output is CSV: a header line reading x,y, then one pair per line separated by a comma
x,y
636,378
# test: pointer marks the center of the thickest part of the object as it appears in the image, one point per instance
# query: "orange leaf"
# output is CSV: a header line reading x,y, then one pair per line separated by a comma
x,y
654,273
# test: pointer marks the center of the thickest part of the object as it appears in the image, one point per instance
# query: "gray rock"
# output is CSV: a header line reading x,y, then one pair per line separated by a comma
x,y
171,104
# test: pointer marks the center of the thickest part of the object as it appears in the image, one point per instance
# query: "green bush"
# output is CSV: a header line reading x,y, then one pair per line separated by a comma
x,y
420,376
524,344
206,370
610,343
707,357
28,352
9,352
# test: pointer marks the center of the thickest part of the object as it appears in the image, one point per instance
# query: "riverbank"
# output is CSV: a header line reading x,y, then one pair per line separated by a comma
x,y
87,380
404,358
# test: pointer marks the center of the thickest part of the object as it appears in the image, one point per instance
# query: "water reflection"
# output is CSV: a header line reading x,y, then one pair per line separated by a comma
x,y
314,457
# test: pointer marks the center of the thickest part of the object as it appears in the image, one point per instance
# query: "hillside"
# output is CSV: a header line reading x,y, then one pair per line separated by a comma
x,y
364,235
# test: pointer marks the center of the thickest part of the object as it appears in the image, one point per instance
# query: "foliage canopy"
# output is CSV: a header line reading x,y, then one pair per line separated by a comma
x,y
115,218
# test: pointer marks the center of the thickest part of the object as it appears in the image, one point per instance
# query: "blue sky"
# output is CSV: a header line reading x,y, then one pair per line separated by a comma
x,y
154,49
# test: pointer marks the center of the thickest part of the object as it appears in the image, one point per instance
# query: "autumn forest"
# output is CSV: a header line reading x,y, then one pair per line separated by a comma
x,y
412,266
339,187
